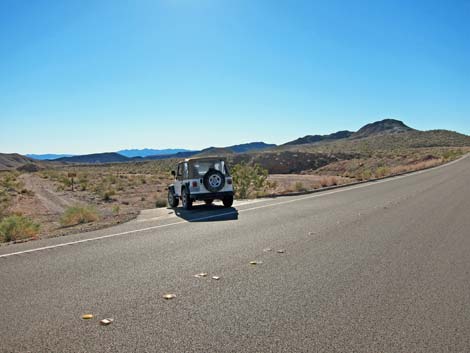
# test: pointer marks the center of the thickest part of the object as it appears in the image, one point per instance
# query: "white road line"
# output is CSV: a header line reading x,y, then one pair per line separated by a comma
x,y
311,196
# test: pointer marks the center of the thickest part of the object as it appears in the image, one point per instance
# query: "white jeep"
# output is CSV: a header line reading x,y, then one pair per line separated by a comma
x,y
205,179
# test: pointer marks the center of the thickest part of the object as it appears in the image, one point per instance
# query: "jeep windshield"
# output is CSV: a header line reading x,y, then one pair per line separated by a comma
x,y
200,168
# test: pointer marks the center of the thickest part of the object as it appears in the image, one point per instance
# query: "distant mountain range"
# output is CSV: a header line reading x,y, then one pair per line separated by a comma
x,y
150,152
117,157
95,158
388,133
47,156
147,153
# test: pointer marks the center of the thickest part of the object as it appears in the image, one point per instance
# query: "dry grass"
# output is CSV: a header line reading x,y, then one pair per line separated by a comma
x,y
382,163
417,166
11,188
161,202
286,183
16,227
78,215
328,181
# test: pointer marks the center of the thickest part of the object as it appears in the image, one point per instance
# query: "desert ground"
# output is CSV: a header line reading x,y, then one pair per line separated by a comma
x,y
106,194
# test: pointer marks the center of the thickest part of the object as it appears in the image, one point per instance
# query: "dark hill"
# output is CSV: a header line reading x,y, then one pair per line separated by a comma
x,y
178,155
317,138
389,126
148,152
10,161
252,146
95,158
48,156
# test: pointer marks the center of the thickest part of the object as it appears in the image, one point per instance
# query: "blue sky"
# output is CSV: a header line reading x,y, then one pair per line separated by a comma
x,y
93,76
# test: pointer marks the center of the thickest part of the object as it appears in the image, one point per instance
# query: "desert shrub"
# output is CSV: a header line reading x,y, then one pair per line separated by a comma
x,y
451,154
271,184
399,169
249,179
105,191
258,194
106,194
83,181
28,192
9,182
324,182
78,214
328,181
66,181
161,202
5,201
299,187
3,210
116,210
112,179
366,174
50,174
381,172
17,227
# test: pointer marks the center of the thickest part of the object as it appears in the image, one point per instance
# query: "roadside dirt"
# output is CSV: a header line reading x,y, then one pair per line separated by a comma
x,y
286,183
45,203
55,202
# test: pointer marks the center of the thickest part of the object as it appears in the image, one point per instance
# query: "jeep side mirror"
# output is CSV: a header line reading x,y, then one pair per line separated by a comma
x,y
173,173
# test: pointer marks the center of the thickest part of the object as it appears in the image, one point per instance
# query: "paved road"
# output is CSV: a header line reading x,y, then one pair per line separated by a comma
x,y
381,267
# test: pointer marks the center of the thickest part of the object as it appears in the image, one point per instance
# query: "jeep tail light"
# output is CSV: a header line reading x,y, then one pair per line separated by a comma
x,y
194,184
229,181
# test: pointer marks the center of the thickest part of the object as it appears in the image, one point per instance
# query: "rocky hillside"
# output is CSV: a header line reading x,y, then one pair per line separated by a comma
x,y
386,126
391,137
11,161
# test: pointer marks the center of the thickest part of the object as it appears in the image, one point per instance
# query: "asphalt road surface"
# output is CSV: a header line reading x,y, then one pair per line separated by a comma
x,y
380,267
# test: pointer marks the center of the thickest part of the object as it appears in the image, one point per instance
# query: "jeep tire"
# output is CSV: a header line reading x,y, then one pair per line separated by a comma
x,y
173,201
187,202
214,180
228,201
209,201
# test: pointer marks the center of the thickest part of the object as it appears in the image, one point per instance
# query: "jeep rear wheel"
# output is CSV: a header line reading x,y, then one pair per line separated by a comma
x,y
187,202
173,201
228,201
209,202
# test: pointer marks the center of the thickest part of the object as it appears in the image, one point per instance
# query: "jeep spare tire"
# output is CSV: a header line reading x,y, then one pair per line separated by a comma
x,y
214,180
